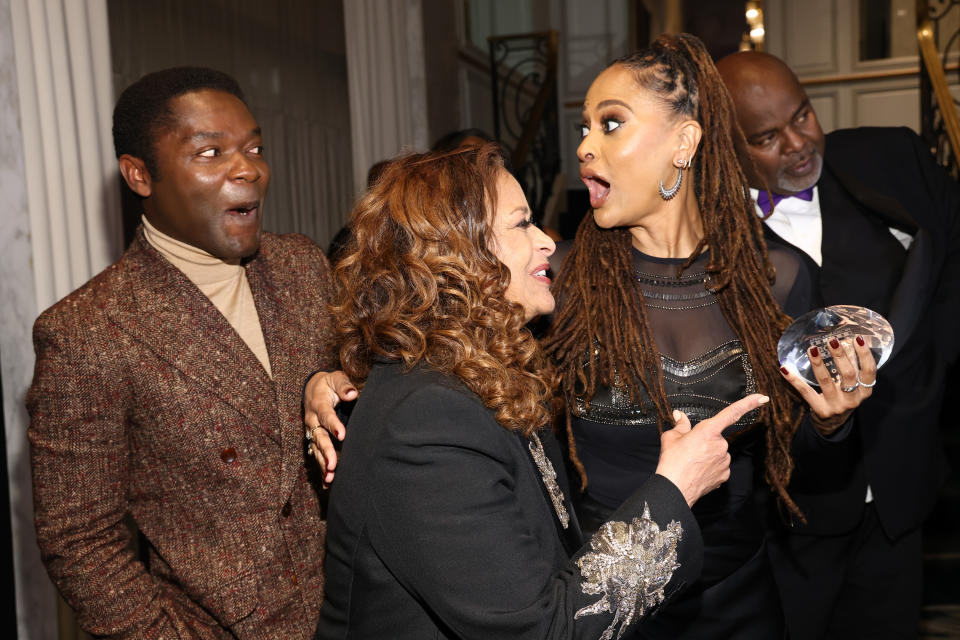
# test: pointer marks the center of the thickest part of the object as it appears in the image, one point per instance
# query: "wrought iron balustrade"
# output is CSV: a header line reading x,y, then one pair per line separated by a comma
x,y
523,71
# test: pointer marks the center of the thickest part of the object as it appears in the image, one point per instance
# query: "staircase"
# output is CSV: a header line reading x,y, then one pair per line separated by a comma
x,y
936,23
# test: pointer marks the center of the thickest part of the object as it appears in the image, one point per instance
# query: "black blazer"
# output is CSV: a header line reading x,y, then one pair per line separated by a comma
x,y
873,179
440,526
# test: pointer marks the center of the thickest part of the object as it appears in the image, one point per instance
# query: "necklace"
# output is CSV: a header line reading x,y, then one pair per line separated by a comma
x,y
549,475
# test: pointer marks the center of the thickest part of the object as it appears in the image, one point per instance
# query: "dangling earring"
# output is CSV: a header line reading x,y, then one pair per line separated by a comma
x,y
666,194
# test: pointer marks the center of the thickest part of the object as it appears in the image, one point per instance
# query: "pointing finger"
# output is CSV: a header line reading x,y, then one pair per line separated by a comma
x,y
733,412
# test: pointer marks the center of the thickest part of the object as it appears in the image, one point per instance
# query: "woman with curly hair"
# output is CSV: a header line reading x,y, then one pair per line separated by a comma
x,y
670,299
449,516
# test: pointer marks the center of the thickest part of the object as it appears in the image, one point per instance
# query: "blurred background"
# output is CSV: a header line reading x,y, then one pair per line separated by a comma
x,y
338,85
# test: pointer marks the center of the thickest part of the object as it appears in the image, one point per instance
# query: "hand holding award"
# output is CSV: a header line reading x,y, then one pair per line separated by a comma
x,y
839,350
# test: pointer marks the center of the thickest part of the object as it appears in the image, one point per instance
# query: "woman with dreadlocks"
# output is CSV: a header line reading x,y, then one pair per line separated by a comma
x,y
448,518
670,300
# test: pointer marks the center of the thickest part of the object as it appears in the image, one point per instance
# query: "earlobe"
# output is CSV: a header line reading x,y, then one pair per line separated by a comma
x,y
135,174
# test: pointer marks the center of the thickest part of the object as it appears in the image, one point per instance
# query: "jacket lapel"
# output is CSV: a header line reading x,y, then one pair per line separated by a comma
x,y
916,282
279,326
170,316
571,536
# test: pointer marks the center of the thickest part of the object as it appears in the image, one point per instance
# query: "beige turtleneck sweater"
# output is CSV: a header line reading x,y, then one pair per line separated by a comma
x,y
223,282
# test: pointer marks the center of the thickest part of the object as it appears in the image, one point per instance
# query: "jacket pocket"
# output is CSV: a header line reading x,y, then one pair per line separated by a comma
x,y
234,601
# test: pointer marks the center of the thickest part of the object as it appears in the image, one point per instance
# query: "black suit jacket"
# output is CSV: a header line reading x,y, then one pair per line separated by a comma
x,y
874,179
439,525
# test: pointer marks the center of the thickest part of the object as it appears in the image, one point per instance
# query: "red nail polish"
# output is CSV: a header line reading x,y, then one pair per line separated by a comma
x,y
814,352
834,343
784,371
859,341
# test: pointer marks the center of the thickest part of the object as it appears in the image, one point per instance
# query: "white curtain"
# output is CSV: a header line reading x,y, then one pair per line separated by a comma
x,y
61,222
388,92
289,57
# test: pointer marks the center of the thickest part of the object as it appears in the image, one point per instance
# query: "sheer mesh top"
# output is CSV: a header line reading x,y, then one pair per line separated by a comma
x,y
705,368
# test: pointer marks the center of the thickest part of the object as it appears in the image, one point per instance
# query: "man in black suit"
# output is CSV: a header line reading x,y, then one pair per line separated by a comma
x,y
877,221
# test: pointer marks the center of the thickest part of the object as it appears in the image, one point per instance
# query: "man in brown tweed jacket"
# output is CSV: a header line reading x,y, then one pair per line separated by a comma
x,y
167,389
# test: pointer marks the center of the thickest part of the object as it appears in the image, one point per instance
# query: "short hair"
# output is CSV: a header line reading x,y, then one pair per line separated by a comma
x,y
454,139
144,107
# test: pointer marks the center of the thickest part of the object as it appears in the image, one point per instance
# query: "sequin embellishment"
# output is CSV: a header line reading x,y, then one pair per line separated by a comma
x,y
683,382
630,565
549,475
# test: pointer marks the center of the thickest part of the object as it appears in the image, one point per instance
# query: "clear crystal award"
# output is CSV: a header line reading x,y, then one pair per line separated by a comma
x,y
844,322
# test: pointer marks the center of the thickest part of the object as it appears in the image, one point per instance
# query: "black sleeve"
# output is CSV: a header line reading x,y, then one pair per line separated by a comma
x,y
449,524
793,287
807,440
943,220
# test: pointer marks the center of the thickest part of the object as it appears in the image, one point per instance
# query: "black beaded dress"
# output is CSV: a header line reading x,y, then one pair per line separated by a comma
x,y
705,368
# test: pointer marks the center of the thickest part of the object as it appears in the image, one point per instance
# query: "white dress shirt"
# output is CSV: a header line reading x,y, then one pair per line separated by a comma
x,y
797,221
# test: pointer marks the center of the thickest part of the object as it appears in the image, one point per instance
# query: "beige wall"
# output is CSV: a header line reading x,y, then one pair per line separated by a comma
x,y
820,39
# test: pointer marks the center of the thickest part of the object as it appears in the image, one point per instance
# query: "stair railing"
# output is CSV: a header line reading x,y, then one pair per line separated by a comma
x,y
523,71
940,124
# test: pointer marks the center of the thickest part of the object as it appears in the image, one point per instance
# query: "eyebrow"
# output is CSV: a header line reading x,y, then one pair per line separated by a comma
x,y
609,103
803,105
524,211
214,135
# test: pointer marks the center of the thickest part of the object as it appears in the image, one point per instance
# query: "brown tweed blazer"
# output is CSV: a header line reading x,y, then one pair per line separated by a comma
x,y
145,402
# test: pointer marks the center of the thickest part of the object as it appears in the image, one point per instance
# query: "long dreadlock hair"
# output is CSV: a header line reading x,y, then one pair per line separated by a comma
x,y
602,326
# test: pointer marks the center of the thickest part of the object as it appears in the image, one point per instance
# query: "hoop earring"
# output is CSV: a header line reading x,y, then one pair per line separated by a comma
x,y
667,194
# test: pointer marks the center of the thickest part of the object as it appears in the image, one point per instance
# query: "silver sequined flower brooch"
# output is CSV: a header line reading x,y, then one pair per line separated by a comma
x,y
630,564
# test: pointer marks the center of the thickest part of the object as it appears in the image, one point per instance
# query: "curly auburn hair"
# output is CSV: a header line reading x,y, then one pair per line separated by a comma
x,y
418,282
600,301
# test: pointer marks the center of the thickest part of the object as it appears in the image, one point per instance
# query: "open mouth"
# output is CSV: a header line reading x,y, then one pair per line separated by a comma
x,y
599,189
245,209
541,273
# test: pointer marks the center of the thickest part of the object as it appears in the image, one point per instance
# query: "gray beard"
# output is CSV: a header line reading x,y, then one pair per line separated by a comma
x,y
789,184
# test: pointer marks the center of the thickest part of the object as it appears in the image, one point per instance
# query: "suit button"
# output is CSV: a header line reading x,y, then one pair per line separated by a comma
x,y
229,455
287,508
293,580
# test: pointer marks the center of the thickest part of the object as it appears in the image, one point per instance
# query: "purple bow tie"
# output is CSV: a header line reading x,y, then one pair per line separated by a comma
x,y
763,201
